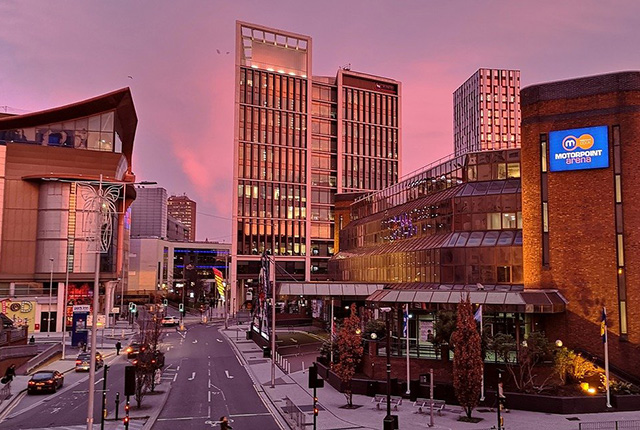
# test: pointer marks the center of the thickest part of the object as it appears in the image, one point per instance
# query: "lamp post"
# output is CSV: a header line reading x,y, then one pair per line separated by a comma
x,y
64,306
50,294
389,421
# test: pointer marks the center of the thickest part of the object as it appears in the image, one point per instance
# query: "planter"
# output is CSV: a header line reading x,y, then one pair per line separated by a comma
x,y
553,404
626,402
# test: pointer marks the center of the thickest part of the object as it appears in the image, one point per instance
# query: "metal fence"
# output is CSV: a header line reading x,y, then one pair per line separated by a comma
x,y
294,415
5,391
611,425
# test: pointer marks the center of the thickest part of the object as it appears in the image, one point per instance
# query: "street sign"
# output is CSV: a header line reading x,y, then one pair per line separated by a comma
x,y
115,310
101,320
81,308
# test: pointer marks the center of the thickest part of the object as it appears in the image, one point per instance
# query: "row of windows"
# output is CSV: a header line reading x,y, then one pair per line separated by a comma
x,y
272,200
370,107
494,265
272,163
269,126
96,132
368,173
278,237
324,93
373,141
267,89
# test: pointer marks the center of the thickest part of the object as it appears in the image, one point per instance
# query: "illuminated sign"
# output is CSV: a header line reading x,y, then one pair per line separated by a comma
x,y
579,149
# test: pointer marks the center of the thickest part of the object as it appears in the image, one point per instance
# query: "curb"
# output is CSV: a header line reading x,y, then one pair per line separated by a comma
x,y
155,414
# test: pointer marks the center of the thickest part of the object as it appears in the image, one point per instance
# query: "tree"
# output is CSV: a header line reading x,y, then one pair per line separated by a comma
x,y
350,351
521,362
467,358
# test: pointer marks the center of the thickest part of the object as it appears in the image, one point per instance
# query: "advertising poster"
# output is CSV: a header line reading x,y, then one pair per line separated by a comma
x,y
426,331
22,313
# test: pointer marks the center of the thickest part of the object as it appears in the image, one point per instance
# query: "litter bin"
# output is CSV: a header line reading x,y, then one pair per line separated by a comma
x,y
414,385
372,388
266,352
248,334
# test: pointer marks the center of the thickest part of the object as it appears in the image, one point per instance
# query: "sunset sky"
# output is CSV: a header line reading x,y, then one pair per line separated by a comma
x,y
59,52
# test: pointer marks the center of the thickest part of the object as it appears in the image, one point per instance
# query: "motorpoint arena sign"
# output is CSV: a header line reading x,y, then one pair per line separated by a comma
x,y
579,149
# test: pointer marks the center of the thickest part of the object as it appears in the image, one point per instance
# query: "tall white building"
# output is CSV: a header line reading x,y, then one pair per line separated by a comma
x,y
486,112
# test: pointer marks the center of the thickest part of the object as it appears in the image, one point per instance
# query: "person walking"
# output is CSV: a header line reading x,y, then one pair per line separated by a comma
x,y
9,374
118,347
224,423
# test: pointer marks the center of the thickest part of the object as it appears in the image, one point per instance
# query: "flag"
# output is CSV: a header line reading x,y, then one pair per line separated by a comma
x,y
478,315
603,325
219,284
405,320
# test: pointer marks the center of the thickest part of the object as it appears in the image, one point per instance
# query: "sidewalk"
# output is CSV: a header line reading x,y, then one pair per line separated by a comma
x,y
367,416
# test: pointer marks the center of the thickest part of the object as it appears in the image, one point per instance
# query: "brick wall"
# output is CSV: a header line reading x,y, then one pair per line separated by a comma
x,y
582,235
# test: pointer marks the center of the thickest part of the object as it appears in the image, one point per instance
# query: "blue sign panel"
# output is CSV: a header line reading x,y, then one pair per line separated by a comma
x,y
579,149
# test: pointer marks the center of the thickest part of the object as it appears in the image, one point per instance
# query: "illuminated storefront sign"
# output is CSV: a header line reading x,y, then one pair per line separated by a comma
x,y
579,149
20,312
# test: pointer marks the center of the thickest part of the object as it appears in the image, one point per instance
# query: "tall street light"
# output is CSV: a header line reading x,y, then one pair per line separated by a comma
x,y
389,421
50,294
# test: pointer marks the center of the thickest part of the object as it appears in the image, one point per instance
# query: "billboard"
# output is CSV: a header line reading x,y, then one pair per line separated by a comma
x,y
579,149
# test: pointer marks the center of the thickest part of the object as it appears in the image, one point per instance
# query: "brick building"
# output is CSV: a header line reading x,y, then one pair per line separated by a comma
x,y
580,185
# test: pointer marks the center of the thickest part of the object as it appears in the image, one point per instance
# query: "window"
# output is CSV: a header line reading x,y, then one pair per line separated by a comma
x,y
504,274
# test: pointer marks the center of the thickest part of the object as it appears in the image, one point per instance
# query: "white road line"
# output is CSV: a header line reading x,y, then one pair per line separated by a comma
x,y
175,377
227,373
195,341
208,372
257,414
219,340
193,376
209,396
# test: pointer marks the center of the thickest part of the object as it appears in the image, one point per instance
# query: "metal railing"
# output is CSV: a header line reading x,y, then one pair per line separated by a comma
x,y
294,416
610,425
5,391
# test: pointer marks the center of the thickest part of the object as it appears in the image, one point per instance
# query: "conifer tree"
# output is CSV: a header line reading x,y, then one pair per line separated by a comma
x,y
350,351
467,358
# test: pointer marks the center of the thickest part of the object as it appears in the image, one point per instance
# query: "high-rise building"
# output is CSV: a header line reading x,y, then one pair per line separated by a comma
x,y
183,209
486,112
149,213
299,141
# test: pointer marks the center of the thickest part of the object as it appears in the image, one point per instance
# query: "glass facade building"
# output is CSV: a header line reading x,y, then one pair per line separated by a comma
x,y
299,140
458,222
486,112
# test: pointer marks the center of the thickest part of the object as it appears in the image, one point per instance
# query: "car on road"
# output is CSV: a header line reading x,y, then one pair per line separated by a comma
x,y
170,321
83,362
134,349
45,380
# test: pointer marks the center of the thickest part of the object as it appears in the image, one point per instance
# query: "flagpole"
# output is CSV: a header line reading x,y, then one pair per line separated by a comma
x,y
331,363
482,377
606,354
406,319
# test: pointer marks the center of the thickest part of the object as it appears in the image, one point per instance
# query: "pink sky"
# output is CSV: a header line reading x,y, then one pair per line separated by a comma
x,y
55,53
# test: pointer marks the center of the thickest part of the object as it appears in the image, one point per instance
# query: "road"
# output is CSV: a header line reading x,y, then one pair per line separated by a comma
x,y
68,407
211,382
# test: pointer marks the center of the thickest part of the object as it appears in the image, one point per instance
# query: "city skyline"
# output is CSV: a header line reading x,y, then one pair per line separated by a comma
x,y
185,128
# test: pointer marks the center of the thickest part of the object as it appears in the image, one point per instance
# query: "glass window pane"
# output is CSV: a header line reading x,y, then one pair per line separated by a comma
x,y
107,121
475,239
94,123
506,237
490,238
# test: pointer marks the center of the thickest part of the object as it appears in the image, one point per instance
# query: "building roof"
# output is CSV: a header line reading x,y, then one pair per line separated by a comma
x,y
120,100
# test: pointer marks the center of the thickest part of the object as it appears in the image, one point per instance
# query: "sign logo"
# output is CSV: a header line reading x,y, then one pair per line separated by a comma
x,y
579,149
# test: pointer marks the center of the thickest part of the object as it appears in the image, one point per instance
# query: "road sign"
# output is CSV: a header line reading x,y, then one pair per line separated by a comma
x,y
101,320
115,310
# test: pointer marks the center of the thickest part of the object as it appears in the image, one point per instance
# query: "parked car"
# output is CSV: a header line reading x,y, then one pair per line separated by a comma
x,y
134,349
45,380
83,362
170,321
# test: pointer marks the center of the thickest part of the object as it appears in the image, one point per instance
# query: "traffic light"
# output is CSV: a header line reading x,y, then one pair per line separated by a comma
x,y
181,307
134,308
125,420
314,381
165,303
131,305
315,406
129,382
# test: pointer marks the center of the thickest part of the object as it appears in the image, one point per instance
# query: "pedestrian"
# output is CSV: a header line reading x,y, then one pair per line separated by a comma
x,y
32,340
118,347
9,374
224,423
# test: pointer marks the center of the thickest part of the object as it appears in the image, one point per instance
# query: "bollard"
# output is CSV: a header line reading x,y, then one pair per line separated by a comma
x,y
117,404
304,369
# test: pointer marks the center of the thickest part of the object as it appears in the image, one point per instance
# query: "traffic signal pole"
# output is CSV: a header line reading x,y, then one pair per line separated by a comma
x,y
104,396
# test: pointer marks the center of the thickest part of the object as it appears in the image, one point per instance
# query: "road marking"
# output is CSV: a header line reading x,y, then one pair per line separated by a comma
x,y
208,372
219,340
195,341
181,418
209,396
55,410
227,373
257,414
99,380
175,377
193,376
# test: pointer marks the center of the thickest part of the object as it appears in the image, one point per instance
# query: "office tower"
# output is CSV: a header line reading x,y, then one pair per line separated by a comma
x,y
149,213
486,112
183,209
299,141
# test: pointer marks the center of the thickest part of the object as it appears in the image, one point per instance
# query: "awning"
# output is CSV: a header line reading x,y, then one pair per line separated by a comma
x,y
528,301
327,289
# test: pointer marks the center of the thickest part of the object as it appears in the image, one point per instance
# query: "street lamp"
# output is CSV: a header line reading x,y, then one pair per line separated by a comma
x,y
389,420
50,294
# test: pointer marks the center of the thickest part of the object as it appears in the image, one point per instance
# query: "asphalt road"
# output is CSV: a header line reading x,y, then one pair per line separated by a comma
x,y
210,383
68,406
